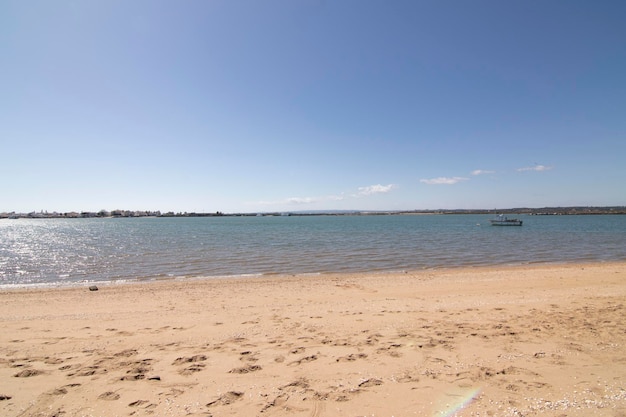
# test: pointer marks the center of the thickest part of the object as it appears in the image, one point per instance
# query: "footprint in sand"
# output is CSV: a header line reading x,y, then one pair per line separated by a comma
x,y
226,399
58,391
62,390
248,356
109,396
300,361
27,373
195,358
126,353
351,357
279,401
245,369
391,350
406,377
299,383
135,377
139,370
86,371
197,367
370,382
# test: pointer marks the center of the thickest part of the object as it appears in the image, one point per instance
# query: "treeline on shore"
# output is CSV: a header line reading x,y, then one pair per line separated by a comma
x,y
552,211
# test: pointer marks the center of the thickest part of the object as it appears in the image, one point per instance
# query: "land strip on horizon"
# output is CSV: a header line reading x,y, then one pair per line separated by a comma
x,y
573,210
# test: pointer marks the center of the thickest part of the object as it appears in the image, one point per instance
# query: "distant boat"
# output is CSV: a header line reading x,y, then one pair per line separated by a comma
x,y
502,220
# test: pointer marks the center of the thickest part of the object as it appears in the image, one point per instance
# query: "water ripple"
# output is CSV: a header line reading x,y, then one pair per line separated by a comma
x,y
43,251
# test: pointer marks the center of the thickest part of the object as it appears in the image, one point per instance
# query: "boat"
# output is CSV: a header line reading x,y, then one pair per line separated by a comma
x,y
502,220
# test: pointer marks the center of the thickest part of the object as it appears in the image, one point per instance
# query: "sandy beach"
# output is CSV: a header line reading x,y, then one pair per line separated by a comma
x,y
501,341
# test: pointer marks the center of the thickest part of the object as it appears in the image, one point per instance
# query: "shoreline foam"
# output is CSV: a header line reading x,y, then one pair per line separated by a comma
x,y
501,341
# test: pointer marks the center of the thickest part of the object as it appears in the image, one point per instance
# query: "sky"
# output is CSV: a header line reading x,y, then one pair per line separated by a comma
x,y
288,105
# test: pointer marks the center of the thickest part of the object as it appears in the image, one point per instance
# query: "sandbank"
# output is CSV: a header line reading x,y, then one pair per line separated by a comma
x,y
545,340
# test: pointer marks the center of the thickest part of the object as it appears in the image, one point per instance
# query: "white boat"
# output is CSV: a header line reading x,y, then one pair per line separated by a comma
x,y
502,220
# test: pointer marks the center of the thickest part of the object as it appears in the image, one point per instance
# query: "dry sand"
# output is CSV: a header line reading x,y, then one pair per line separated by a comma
x,y
506,341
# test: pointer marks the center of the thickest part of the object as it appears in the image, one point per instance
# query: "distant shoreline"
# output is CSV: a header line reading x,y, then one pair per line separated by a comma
x,y
544,211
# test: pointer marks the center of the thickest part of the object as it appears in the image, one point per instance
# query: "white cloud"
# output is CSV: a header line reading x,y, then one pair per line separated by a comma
x,y
336,197
443,180
537,168
361,192
482,172
300,200
375,189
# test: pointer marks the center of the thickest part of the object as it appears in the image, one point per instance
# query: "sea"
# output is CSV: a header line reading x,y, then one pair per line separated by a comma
x,y
68,252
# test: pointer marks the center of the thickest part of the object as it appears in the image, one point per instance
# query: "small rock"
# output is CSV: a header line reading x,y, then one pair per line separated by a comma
x,y
93,288
154,378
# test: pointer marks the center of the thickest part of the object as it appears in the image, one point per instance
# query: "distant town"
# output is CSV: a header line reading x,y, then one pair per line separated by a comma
x,y
545,211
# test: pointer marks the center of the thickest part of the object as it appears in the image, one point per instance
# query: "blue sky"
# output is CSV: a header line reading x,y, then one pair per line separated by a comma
x,y
244,106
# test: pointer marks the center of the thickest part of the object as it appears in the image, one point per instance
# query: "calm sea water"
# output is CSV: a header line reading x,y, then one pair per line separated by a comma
x,y
69,251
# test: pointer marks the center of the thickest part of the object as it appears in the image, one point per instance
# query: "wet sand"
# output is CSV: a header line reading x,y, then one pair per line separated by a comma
x,y
501,341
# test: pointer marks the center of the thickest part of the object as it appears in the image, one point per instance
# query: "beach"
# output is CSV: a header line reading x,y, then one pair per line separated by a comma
x,y
545,340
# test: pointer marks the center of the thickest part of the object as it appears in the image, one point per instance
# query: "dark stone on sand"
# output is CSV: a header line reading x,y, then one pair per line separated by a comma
x,y
4,397
93,288
154,378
